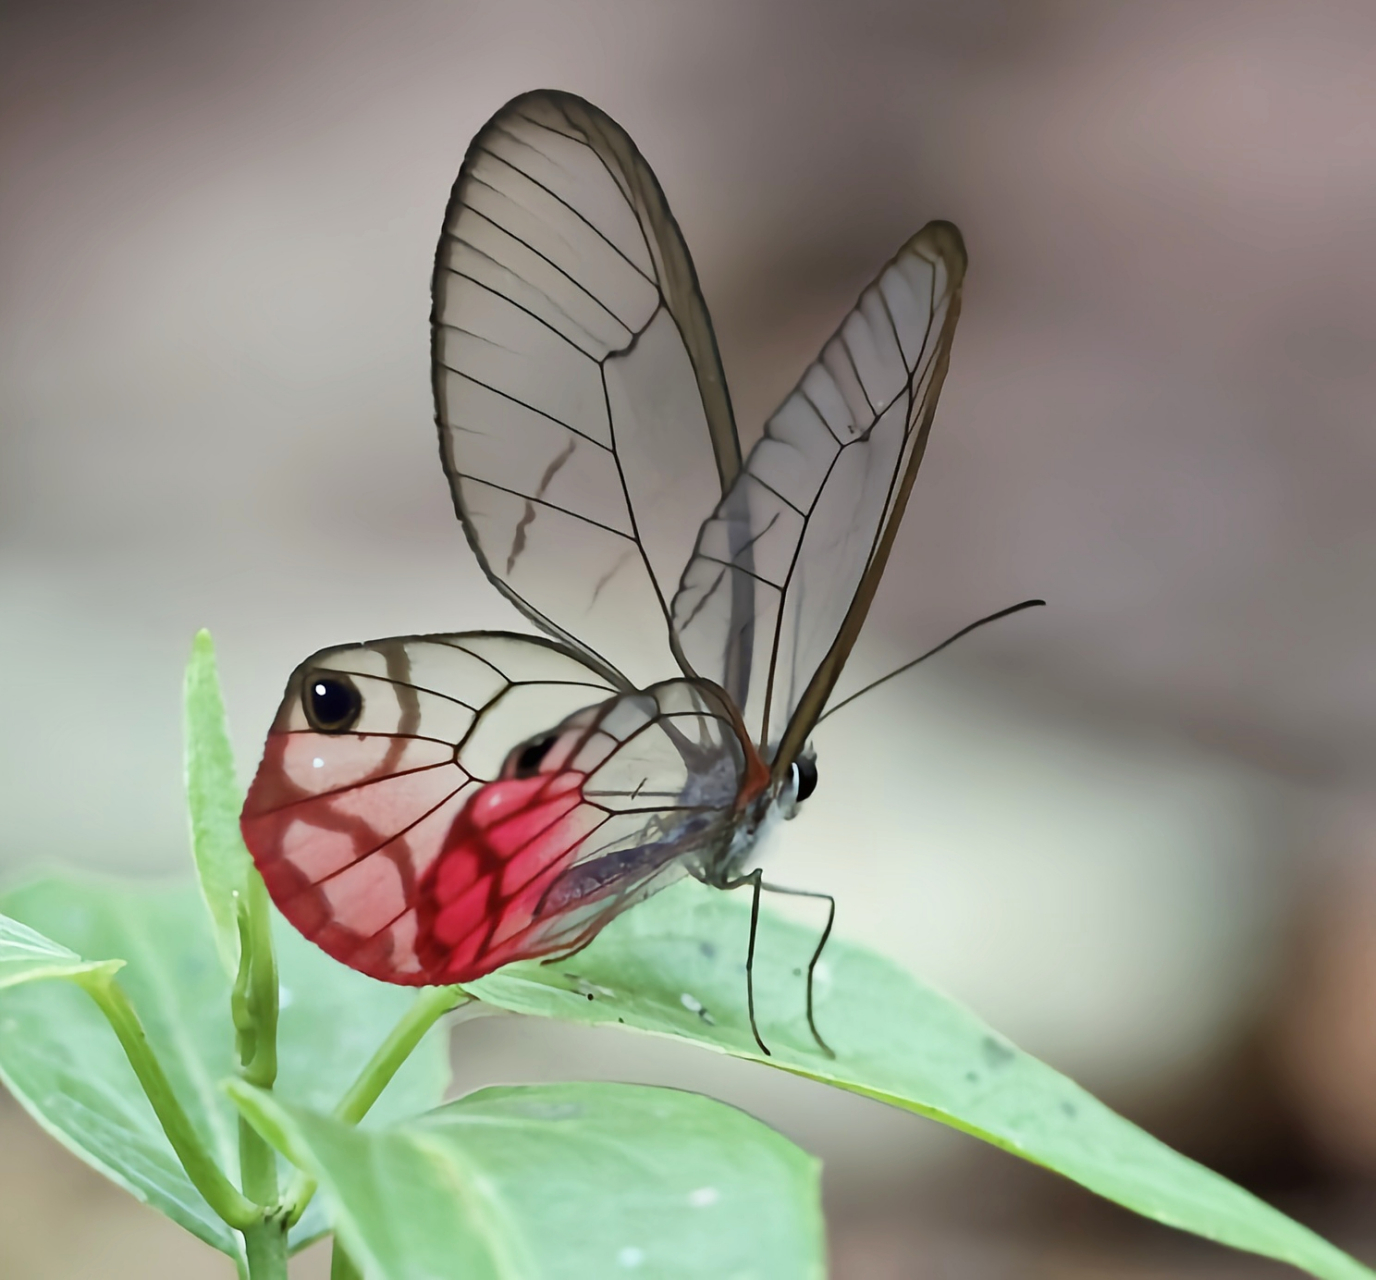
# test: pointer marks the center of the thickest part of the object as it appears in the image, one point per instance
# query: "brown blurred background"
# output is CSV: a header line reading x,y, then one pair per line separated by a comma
x,y
1136,831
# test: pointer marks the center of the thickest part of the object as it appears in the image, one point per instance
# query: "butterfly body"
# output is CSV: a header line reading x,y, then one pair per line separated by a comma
x,y
429,808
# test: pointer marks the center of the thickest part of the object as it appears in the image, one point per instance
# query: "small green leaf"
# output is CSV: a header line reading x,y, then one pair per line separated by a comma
x,y
675,966
27,956
214,801
572,1180
59,1057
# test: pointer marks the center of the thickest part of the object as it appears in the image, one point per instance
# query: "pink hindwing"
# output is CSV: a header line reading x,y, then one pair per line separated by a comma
x,y
397,826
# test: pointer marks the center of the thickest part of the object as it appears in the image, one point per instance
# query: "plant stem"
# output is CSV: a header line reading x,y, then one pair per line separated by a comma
x,y
254,1004
431,1005
265,1247
427,1009
205,1174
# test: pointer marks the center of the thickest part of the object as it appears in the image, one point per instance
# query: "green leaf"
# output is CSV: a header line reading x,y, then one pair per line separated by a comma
x,y
564,1181
59,1057
214,800
27,956
675,966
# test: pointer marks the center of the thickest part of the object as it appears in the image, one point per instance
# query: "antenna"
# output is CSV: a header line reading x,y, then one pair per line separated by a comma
x,y
950,640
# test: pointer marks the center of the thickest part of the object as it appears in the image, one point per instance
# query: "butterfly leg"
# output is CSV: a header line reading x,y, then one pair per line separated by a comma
x,y
756,881
816,955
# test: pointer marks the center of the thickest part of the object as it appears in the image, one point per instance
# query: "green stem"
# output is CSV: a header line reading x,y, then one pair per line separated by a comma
x,y
265,1241
253,1002
205,1174
427,1009
254,1005
265,1247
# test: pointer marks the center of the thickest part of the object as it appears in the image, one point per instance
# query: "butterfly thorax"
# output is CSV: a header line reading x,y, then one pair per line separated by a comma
x,y
723,865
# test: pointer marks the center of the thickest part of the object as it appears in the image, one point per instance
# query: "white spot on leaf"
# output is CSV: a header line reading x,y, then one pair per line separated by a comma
x,y
694,1005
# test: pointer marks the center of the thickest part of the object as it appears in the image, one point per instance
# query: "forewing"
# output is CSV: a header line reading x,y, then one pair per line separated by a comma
x,y
404,846
584,421
812,518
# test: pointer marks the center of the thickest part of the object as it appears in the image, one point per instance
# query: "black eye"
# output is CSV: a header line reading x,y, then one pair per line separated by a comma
x,y
530,757
806,771
332,703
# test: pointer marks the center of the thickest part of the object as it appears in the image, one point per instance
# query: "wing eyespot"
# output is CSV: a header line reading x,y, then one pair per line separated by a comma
x,y
526,760
332,703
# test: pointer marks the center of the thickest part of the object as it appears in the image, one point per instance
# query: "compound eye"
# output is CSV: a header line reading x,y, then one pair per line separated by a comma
x,y
805,776
332,703
529,757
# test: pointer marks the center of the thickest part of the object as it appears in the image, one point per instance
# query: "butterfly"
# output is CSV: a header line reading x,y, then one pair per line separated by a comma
x,y
431,807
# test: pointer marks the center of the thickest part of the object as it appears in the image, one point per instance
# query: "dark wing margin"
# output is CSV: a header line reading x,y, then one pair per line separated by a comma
x,y
812,519
583,414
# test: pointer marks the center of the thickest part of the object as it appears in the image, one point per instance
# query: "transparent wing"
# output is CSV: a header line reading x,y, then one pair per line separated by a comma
x,y
429,808
812,518
584,421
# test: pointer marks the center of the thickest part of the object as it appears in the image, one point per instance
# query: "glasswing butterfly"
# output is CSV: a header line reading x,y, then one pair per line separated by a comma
x,y
429,808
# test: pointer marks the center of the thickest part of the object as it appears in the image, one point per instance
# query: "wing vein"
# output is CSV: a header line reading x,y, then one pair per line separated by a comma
x,y
497,293
626,495
506,395
507,231
554,195
516,493
366,782
378,848
821,417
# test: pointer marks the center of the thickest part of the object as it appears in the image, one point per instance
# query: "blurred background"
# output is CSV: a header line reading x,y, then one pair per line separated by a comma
x,y
1136,831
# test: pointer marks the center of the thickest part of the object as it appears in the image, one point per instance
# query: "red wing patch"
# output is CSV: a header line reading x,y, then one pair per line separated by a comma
x,y
418,877
343,863
480,903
